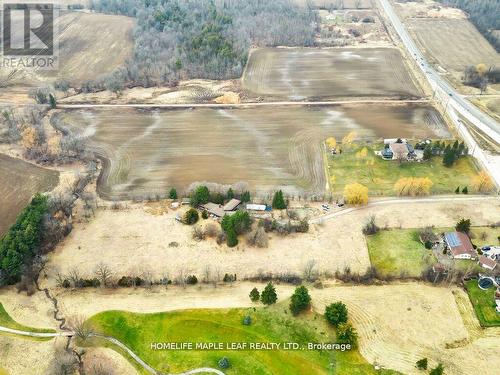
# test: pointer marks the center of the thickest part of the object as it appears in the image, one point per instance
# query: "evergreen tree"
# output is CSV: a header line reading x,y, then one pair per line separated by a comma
x,y
172,194
278,201
457,190
465,190
439,370
268,295
346,334
230,194
300,300
427,152
52,101
245,197
255,295
231,238
463,226
448,157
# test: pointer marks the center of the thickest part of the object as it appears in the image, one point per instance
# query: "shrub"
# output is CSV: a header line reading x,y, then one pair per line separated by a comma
x,y
422,364
302,227
269,296
300,300
482,183
370,226
258,238
192,280
191,216
198,233
204,215
247,320
428,245
224,363
255,295
336,313
229,278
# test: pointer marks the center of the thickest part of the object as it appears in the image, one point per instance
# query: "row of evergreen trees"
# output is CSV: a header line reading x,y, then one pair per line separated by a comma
x,y
21,243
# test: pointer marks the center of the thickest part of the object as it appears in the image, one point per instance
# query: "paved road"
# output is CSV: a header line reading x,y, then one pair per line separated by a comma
x,y
256,104
389,201
451,99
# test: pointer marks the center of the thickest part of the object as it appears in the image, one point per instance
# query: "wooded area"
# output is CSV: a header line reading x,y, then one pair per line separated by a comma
x,y
177,40
484,14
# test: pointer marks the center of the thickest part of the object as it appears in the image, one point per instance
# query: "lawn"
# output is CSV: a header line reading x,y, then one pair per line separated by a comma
x,y
273,324
380,175
399,252
483,236
484,304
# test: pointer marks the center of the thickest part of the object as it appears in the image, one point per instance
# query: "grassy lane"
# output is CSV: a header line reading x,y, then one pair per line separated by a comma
x,y
138,331
357,165
484,304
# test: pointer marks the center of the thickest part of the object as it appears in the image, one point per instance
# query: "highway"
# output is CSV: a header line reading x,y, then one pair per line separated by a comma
x,y
453,102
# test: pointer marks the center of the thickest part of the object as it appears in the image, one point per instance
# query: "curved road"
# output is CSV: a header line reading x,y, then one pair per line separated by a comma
x,y
114,341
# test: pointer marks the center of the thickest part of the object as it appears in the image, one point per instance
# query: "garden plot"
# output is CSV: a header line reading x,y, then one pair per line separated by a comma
x,y
146,152
304,73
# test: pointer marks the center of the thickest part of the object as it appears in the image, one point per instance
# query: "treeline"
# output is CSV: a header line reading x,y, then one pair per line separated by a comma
x,y
182,39
484,14
21,243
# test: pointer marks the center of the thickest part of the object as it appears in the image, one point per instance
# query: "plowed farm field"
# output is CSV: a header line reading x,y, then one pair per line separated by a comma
x,y
308,73
453,43
146,152
19,182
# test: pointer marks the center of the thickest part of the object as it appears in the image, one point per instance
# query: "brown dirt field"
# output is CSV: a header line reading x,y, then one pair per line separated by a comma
x,y
20,181
90,45
147,152
133,242
452,44
300,73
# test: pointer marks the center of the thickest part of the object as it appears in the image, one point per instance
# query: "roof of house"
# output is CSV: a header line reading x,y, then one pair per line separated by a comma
x,y
256,207
485,261
214,209
459,244
399,148
232,204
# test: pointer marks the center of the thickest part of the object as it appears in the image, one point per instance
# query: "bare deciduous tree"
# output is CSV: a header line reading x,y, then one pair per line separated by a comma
x,y
104,274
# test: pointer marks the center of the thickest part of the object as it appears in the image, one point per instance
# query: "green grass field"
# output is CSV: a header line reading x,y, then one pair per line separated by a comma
x,y
138,331
380,175
399,252
484,304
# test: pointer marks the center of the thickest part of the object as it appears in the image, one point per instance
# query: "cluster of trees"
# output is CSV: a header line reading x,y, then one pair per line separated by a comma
x,y
178,39
422,364
234,225
482,182
22,242
413,186
337,315
201,194
480,76
483,14
267,297
279,201
450,152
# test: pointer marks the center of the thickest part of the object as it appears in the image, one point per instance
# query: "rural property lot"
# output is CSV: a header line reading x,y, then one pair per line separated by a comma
x,y
337,4
305,73
133,242
20,181
147,152
452,43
